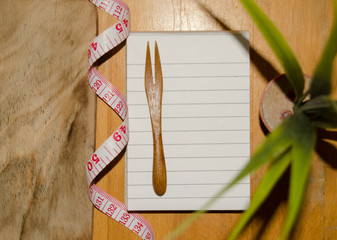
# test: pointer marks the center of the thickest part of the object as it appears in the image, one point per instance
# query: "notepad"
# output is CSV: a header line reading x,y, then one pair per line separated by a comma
x,y
205,120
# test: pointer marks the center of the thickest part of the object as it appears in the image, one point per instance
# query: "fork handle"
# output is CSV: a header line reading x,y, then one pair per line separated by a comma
x,y
159,167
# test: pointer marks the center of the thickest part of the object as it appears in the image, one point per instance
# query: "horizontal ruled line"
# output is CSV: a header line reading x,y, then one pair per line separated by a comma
x,y
195,103
199,90
193,184
198,197
191,144
201,130
193,117
216,157
185,171
190,63
203,76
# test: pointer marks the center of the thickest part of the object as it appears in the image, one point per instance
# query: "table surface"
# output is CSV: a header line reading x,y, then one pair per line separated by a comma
x,y
305,24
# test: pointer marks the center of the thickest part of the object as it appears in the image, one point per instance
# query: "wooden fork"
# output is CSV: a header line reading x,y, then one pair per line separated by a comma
x,y
154,92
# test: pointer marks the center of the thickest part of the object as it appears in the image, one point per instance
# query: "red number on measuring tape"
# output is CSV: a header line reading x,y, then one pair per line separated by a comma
x,y
119,107
123,129
125,21
99,202
119,28
111,210
117,137
97,85
108,96
95,158
148,236
94,46
125,218
137,228
89,166
118,11
104,4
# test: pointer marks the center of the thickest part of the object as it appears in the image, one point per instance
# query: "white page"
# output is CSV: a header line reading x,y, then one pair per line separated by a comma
x,y
205,120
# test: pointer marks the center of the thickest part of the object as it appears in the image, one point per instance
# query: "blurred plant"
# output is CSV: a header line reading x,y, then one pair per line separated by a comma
x,y
293,142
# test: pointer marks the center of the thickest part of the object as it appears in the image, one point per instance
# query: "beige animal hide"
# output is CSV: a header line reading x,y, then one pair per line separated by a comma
x,y
47,117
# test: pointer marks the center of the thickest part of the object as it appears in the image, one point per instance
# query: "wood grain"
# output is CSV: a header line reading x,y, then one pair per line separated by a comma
x,y
154,95
46,119
305,24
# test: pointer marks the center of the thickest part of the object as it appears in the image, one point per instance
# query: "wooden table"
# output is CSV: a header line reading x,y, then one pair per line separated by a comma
x,y
305,24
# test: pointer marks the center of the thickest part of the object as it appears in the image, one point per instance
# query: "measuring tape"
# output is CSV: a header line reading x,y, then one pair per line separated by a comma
x,y
113,146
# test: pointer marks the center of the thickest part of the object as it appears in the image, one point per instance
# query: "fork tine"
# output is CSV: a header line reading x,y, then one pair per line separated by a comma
x,y
158,71
148,67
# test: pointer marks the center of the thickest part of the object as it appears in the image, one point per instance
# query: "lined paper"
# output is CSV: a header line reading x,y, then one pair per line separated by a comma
x,y
205,120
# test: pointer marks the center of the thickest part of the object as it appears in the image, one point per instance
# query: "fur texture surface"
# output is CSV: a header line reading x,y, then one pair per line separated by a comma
x,y
47,118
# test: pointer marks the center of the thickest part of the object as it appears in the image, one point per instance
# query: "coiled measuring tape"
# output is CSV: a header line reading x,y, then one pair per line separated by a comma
x,y
113,146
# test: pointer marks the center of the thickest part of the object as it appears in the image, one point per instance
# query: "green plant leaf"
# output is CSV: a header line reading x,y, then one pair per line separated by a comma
x,y
321,80
322,111
301,152
276,144
279,46
273,174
